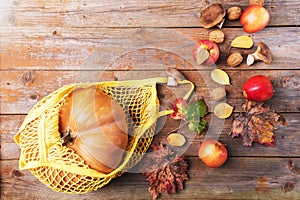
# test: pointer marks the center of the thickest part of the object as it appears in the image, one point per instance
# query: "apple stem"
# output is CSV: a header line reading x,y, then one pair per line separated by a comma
x,y
245,94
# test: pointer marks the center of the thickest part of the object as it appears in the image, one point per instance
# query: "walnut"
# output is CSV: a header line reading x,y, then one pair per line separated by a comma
x,y
256,2
234,13
216,36
234,59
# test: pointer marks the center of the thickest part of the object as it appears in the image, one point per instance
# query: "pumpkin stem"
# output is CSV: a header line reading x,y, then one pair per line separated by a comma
x,y
67,137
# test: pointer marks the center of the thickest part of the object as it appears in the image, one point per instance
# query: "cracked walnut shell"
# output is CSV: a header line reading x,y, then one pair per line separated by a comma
x,y
234,13
234,59
217,36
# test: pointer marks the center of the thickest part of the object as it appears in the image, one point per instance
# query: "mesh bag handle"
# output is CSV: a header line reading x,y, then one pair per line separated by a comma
x,y
186,96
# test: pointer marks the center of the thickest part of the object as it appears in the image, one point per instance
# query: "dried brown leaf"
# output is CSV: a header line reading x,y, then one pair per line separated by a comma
x,y
257,124
165,172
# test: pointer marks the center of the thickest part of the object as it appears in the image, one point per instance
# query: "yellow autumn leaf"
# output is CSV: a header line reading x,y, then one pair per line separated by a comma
x,y
223,110
176,139
220,76
243,41
201,56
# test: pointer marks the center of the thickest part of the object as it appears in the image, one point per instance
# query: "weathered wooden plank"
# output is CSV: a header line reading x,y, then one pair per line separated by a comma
x,y
239,178
47,44
9,125
287,139
132,48
134,13
21,90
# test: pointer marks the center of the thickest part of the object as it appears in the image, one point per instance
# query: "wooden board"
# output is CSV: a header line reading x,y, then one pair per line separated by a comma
x,y
261,178
45,45
287,138
21,90
102,48
134,13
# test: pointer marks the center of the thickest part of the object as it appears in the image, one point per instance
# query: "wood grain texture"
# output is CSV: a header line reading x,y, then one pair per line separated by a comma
x,y
45,45
287,138
134,13
239,178
21,90
101,48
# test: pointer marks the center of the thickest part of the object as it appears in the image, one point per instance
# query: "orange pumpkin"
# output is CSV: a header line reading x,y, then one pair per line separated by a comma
x,y
95,127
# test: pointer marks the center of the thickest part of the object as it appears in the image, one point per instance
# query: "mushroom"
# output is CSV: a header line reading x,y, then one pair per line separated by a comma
x,y
262,53
220,25
212,16
173,76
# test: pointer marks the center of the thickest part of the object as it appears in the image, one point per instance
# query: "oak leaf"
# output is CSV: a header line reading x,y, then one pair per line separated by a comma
x,y
256,124
165,170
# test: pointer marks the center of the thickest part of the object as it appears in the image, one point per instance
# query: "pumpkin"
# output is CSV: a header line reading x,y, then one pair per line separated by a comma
x,y
95,127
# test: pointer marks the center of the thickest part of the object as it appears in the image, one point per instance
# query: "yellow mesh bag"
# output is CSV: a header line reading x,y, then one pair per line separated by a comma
x,y
59,167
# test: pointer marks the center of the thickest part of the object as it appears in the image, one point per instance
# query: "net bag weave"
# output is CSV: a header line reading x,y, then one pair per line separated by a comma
x,y
59,167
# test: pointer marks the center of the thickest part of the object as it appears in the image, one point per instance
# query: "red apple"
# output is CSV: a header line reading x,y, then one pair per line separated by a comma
x,y
255,18
258,88
212,153
200,49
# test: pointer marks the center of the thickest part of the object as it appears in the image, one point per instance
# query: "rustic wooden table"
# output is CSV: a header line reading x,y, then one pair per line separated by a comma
x,y
47,44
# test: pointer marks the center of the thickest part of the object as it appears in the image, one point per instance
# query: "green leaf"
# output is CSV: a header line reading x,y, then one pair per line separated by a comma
x,y
198,126
194,112
195,108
